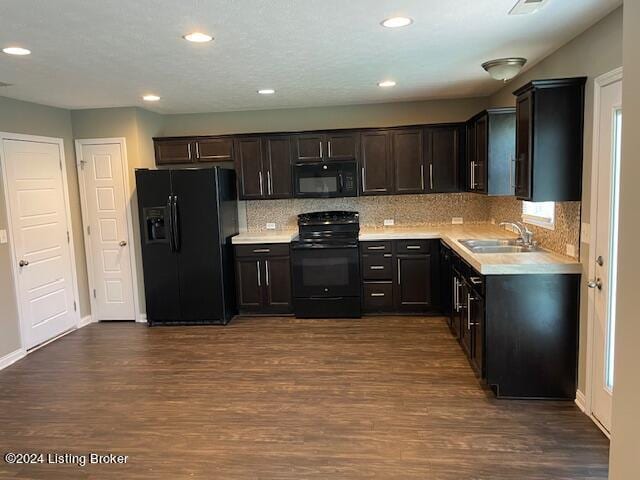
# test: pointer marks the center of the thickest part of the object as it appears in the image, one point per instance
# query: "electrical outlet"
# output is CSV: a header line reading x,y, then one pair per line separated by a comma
x,y
585,233
457,221
389,222
571,250
271,226
3,236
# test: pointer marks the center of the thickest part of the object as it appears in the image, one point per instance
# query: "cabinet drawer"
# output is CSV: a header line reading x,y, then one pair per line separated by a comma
x,y
377,297
375,247
262,249
413,246
377,266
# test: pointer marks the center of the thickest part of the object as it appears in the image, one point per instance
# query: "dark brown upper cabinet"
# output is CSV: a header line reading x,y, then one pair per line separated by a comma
x,y
174,151
325,146
550,129
214,149
263,167
442,146
490,142
376,163
408,161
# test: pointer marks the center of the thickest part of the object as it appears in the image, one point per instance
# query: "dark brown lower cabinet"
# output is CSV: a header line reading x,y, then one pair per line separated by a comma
x,y
475,311
263,278
413,289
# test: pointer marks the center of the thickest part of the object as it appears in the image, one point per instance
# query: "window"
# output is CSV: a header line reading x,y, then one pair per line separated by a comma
x,y
542,214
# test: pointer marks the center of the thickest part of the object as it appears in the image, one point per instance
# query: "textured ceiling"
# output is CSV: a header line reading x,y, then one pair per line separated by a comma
x,y
106,53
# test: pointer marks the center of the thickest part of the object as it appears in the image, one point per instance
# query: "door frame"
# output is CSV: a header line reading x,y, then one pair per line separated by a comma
x,y
121,141
72,250
599,83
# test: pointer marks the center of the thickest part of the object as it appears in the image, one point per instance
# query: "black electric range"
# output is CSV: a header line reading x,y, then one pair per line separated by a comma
x,y
326,265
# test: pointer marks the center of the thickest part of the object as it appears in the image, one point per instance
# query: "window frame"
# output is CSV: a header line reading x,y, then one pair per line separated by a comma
x,y
546,222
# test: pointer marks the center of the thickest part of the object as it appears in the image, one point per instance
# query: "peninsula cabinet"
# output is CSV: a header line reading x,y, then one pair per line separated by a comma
x,y
491,152
549,140
263,167
176,151
325,146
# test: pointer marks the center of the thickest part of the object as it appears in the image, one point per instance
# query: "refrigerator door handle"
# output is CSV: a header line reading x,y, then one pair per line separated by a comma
x,y
170,223
175,224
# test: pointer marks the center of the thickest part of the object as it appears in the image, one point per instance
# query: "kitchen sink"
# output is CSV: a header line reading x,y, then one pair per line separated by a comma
x,y
498,246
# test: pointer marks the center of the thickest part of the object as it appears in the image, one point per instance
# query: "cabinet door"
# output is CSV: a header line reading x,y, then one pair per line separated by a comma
x,y
375,163
342,146
443,159
471,156
214,149
277,278
249,168
172,152
482,155
465,323
476,305
406,146
309,148
249,281
277,166
413,283
524,128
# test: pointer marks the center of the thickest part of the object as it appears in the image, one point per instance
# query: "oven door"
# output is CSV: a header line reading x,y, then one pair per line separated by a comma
x,y
325,272
325,179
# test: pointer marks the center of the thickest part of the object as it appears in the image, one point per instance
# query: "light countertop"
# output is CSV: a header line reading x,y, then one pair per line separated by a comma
x,y
540,262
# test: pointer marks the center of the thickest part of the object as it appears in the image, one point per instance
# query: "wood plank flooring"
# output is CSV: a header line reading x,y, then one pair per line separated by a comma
x,y
280,398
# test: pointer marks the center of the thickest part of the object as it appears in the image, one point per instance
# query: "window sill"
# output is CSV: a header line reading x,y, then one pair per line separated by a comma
x,y
539,222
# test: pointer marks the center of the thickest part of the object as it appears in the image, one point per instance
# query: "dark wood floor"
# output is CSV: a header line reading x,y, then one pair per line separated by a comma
x,y
279,398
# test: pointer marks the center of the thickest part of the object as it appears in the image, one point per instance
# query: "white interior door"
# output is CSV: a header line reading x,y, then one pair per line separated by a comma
x,y
605,240
39,231
106,229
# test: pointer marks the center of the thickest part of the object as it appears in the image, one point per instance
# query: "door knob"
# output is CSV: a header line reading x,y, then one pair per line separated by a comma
x,y
23,263
123,243
597,283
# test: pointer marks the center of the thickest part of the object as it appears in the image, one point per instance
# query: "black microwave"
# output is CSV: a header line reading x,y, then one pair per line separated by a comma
x,y
325,179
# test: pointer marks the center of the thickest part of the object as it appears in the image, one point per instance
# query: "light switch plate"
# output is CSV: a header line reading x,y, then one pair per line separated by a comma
x,y
389,222
457,221
3,236
271,226
585,232
571,250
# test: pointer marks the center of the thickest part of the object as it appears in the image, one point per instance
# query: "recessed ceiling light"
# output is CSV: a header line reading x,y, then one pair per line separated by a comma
x,y
198,37
266,91
16,51
396,22
387,84
150,98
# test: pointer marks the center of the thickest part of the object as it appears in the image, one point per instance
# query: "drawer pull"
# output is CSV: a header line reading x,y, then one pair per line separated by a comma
x,y
261,250
377,294
413,247
377,247
377,267
387,255
476,280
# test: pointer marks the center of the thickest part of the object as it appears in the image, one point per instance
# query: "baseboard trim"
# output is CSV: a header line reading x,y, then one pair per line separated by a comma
x,y
84,321
11,358
581,401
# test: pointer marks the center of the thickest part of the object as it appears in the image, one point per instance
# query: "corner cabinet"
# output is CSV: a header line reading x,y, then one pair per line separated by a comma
x,y
549,140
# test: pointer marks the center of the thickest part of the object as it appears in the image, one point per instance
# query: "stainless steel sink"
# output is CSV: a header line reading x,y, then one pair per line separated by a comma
x,y
514,245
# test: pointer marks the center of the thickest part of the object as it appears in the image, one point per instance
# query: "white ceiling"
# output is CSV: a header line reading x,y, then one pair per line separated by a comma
x,y
106,53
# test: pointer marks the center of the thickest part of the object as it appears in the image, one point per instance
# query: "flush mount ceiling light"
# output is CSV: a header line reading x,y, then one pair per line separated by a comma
x,y
396,22
525,7
198,37
16,51
504,68
150,98
266,91
387,84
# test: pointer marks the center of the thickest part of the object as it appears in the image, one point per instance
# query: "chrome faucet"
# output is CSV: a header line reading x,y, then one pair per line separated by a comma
x,y
526,235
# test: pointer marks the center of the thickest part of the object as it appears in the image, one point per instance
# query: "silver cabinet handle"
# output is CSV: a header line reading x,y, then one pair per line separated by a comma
x,y
189,149
376,267
413,247
261,250
422,176
398,271
260,178
197,150
266,271
269,186
456,303
23,263
258,268
377,294
123,243
473,175
321,149
362,175
476,280
387,255
468,311
329,147
431,176
512,172
376,247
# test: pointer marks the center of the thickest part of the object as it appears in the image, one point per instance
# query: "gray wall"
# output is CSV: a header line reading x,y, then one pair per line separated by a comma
x,y
625,444
596,51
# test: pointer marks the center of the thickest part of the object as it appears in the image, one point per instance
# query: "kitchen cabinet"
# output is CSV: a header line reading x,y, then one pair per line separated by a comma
x,y
408,161
491,152
263,166
326,146
174,151
376,164
446,275
413,286
214,149
442,146
549,140
263,278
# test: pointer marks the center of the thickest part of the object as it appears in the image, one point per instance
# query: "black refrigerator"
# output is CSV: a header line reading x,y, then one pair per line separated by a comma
x,y
187,219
